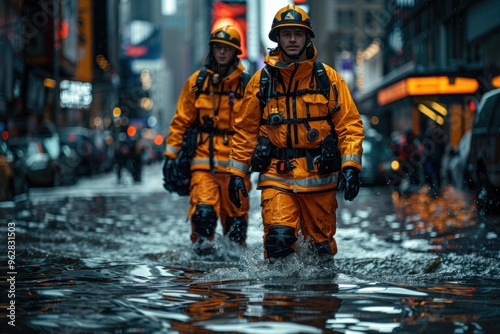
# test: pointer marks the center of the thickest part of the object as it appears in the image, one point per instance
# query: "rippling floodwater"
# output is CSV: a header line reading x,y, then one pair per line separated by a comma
x,y
106,258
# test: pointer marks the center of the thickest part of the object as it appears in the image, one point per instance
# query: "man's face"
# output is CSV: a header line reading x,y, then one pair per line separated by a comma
x,y
292,40
223,53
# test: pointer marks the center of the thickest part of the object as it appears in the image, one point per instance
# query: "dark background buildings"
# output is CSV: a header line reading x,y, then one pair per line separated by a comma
x,y
107,65
413,60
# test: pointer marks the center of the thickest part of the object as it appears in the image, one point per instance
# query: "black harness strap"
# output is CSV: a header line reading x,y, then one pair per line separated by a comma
x,y
268,82
211,130
264,121
216,131
291,153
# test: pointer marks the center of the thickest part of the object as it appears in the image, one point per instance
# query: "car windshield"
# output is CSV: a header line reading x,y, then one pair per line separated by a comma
x,y
52,146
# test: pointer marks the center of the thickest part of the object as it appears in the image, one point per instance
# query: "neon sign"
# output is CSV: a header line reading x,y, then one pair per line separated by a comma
x,y
75,94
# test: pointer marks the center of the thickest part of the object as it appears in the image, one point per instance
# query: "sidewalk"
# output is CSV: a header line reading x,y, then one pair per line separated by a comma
x,y
107,185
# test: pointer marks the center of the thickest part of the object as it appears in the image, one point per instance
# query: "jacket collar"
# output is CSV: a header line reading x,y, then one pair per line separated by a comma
x,y
235,74
275,58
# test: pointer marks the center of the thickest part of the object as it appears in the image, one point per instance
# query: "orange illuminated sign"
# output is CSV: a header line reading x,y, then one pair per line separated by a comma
x,y
392,93
439,85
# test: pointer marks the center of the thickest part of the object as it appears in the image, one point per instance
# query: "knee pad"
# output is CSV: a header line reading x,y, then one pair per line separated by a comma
x,y
279,241
204,220
236,229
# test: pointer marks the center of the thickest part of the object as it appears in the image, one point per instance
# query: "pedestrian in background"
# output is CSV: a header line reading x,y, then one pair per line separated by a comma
x,y
434,145
123,156
410,152
302,137
137,154
209,102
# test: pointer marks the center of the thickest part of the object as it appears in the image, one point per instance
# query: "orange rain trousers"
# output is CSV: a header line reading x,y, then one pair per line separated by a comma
x,y
312,213
212,189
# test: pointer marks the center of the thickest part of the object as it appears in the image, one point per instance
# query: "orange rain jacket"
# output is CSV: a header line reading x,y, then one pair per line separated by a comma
x,y
217,106
296,76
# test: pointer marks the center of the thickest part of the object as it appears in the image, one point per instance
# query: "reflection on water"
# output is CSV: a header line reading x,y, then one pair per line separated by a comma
x,y
122,263
448,223
149,299
432,219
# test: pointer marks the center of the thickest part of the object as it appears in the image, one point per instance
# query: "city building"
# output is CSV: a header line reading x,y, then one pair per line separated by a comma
x,y
59,64
433,59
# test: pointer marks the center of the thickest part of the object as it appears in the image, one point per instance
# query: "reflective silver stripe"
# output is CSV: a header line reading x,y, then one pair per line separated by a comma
x,y
207,161
238,165
311,182
351,157
172,149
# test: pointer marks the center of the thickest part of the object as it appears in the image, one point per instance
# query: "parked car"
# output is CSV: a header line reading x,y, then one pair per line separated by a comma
x,y
377,159
45,166
82,141
13,179
63,157
40,171
455,168
484,155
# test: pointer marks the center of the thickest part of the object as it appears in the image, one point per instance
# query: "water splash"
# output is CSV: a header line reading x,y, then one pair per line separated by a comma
x,y
251,265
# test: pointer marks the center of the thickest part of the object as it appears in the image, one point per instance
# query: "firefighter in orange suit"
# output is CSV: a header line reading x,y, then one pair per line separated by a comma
x,y
211,106
304,141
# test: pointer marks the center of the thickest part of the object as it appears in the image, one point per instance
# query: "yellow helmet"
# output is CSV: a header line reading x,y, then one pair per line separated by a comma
x,y
227,35
290,16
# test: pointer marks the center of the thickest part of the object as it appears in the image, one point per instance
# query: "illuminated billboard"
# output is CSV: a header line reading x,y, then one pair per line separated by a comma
x,y
231,13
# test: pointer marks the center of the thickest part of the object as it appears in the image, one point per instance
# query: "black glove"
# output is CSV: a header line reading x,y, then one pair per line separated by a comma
x,y
169,174
235,185
349,182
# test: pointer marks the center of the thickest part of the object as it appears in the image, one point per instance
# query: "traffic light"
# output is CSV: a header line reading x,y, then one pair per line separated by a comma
x,y
471,103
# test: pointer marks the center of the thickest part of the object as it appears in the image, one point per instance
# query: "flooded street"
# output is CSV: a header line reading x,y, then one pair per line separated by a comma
x,y
103,257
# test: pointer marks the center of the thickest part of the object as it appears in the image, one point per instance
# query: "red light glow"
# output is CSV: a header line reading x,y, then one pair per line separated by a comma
x,y
158,140
131,131
136,50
